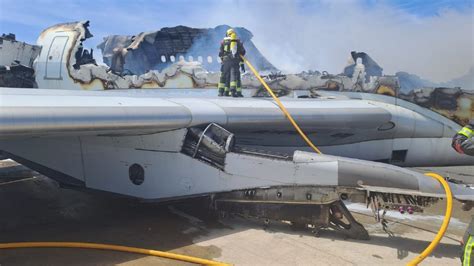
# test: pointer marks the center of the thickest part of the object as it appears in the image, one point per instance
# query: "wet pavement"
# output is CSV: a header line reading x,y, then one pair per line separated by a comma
x,y
34,208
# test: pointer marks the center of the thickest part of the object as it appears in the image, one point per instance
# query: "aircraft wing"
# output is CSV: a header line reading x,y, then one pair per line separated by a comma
x,y
28,114
38,112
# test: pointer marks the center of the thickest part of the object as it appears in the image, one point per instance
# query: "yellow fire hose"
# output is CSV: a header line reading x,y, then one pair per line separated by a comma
x,y
444,225
143,251
449,196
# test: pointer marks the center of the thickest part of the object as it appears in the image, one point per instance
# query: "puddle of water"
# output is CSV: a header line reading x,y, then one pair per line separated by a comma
x,y
407,217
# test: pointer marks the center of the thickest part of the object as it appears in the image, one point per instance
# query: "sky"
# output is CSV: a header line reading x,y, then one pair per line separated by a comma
x,y
433,39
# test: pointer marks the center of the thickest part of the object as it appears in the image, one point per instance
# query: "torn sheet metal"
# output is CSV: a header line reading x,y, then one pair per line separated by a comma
x,y
157,50
16,62
13,51
65,64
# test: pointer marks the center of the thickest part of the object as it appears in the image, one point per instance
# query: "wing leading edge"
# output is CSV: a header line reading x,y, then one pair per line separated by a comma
x,y
47,113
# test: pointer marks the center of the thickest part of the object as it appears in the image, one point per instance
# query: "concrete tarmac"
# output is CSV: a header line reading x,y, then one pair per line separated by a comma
x,y
35,208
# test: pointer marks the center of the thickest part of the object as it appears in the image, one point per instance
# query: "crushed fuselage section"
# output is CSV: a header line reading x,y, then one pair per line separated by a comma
x,y
158,50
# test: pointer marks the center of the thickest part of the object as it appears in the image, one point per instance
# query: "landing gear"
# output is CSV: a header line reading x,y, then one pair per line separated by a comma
x,y
280,204
340,219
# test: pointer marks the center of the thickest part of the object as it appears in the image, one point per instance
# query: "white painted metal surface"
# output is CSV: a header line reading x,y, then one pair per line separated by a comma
x,y
55,57
11,51
103,163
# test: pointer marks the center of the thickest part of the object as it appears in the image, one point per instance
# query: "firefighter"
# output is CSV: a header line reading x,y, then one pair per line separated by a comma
x,y
468,244
463,141
230,51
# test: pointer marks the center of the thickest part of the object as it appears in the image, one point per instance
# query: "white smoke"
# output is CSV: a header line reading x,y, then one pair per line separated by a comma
x,y
437,48
293,35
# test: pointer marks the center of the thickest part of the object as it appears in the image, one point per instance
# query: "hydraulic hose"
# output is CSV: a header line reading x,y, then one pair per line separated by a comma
x,y
143,251
447,189
444,225
282,107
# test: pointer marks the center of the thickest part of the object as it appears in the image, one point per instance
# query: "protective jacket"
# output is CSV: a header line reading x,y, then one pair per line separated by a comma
x,y
230,51
463,141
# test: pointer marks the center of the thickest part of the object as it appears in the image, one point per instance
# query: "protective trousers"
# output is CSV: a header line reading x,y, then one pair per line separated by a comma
x,y
222,82
229,82
466,261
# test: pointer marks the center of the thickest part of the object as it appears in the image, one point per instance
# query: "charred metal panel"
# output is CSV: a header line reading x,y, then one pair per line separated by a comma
x,y
78,70
453,103
17,76
158,49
